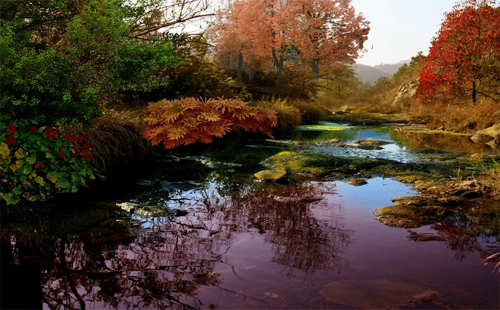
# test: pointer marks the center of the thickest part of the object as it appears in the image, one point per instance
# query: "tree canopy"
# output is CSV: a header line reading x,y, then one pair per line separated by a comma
x,y
61,60
317,33
464,59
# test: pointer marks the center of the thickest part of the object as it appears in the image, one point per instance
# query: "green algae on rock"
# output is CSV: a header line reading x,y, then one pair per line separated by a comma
x,y
413,212
321,164
270,175
324,126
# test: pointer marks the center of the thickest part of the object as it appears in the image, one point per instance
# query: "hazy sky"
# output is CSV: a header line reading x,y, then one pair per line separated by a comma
x,y
400,28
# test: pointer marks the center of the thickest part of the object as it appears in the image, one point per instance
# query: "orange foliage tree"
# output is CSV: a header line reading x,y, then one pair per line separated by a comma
x,y
464,59
190,120
309,32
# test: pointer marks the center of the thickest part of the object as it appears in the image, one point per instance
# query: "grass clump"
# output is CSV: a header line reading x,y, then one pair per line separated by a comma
x,y
289,117
116,139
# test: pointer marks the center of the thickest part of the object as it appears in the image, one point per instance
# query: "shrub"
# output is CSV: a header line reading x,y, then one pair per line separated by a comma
x,y
88,55
117,139
311,112
37,162
190,120
288,117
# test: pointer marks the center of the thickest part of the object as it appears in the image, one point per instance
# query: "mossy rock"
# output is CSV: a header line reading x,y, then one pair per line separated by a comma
x,y
321,164
357,182
270,175
412,212
314,164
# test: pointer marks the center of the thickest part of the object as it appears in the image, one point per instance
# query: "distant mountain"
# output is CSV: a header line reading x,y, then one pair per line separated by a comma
x,y
370,74
391,68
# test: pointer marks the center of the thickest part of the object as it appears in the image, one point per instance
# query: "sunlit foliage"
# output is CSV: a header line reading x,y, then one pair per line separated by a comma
x,y
464,59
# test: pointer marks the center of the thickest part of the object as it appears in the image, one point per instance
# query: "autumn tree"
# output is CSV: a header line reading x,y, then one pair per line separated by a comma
x,y
328,32
310,32
464,58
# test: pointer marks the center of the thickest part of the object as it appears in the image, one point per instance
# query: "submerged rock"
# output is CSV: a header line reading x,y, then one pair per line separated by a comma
x,y
357,182
296,200
270,175
145,210
371,294
413,212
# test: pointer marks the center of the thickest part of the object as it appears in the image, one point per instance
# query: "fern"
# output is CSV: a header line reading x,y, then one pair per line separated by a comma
x,y
190,120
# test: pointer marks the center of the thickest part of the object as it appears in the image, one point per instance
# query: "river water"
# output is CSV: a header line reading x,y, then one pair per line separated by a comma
x,y
211,237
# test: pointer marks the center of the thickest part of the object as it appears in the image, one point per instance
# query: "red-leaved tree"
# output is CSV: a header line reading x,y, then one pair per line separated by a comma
x,y
317,33
190,120
464,58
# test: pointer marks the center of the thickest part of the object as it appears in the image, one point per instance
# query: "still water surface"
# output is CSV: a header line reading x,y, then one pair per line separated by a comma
x,y
233,243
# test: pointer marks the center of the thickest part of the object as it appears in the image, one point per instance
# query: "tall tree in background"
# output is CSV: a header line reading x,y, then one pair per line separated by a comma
x,y
328,32
464,59
317,32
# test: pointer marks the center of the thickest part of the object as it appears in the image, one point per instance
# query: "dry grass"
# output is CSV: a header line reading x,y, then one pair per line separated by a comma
x,y
459,117
117,139
289,117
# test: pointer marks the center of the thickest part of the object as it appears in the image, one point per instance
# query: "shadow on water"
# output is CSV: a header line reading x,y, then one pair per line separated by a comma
x,y
212,237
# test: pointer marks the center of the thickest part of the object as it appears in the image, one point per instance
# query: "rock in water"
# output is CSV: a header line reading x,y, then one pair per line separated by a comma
x,y
270,175
370,294
490,135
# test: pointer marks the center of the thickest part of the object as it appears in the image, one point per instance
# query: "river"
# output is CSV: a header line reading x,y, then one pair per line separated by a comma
x,y
200,232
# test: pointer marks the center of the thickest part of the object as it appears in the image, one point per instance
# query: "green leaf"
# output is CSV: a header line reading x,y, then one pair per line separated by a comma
x,y
31,160
10,198
26,169
17,190
75,177
52,176
63,183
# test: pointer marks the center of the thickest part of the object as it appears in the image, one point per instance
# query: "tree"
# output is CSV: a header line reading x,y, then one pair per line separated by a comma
x,y
62,60
329,32
464,59
316,32
154,17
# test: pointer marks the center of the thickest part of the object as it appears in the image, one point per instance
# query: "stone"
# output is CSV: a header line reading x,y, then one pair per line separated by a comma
x,y
270,175
413,212
405,93
357,182
370,294
490,136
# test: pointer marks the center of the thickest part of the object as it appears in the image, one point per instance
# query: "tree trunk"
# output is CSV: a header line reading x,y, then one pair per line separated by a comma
x,y
278,63
250,74
315,70
239,77
474,92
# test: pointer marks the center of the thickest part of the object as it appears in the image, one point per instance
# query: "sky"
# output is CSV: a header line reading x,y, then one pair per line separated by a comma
x,y
399,29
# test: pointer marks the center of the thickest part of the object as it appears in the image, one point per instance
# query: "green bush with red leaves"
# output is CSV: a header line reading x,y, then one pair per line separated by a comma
x,y
37,162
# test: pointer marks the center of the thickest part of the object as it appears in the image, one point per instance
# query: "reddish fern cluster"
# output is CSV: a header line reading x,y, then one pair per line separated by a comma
x,y
190,120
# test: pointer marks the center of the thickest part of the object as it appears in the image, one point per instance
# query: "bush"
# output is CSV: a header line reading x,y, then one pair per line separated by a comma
x,y
62,67
288,117
311,112
116,139
37,162
189,120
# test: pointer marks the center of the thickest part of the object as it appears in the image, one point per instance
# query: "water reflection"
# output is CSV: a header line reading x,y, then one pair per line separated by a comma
x,y
93,255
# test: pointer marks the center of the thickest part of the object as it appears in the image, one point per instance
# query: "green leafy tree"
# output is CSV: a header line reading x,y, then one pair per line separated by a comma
x,y
62,60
